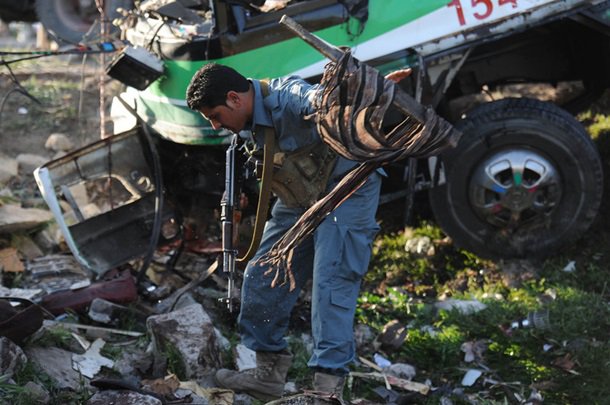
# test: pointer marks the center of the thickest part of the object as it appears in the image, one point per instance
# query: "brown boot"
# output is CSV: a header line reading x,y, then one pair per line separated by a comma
x,y
327,390
329,384
265,382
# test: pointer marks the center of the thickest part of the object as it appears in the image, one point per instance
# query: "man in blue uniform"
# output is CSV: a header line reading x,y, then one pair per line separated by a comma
x,y
336,257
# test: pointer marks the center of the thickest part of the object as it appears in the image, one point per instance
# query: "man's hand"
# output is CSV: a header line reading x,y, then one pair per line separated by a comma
x,y
397,75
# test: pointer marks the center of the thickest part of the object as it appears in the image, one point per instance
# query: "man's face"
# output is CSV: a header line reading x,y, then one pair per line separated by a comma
x,y
231,116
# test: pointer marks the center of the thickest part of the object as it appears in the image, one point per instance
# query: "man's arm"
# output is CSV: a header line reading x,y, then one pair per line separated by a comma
x,y
397,75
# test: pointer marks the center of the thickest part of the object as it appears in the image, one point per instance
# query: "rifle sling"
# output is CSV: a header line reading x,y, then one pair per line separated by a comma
x,y
265,189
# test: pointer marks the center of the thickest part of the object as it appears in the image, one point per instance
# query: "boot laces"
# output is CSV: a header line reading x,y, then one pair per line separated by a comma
x,y
262,370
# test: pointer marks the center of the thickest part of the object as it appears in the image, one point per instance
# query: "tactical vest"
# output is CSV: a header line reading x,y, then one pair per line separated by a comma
x,y
300,177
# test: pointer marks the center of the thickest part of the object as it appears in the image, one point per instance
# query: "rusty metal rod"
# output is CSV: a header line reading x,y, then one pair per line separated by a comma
x,y
402,101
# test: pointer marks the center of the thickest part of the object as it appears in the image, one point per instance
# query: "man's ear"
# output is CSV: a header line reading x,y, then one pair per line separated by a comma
x,y
233,99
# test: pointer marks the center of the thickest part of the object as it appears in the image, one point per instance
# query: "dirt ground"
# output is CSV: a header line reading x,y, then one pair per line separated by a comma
x,y
61,96
45,95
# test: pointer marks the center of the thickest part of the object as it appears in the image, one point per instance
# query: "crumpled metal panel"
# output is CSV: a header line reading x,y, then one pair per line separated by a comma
x,y
102,197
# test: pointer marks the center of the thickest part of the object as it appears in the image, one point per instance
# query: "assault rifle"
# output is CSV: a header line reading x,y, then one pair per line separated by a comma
x,y
227,216
234,175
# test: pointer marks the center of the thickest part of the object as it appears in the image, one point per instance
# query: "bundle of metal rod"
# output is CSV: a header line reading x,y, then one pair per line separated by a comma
x,y
350,118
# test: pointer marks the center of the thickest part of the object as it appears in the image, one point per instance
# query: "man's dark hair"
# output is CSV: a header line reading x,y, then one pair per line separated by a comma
x,y
210,85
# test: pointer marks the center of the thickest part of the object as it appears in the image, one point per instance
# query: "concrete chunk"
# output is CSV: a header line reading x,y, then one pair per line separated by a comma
x,y
57,363
8,168
122,398
27,162
191,332
13,218
58,142
12,357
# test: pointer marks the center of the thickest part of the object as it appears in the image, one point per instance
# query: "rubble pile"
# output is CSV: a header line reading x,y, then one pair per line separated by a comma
x,y
89,333
117,337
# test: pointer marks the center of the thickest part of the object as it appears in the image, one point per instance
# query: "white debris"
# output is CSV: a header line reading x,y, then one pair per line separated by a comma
x,y
290,388
471,377
570,267
473,350
381,361
244,358
91,362
29,294
420,245
463,306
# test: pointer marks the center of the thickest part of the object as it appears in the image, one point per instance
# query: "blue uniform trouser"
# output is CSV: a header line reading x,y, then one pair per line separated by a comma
x,y
337,258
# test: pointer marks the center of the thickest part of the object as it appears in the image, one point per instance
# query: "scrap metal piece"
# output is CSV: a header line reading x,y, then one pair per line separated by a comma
x,y
76,326
117,171
17,323
120,289
54,265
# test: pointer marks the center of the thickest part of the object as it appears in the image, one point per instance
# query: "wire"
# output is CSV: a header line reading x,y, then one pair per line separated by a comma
x,y
17,88
8,62
18,85
103,47
156,33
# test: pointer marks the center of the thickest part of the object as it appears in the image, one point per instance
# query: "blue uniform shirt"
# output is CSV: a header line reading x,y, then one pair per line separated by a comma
x,y
289,108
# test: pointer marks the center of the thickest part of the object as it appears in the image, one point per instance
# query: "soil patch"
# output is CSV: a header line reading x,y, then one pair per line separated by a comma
x,y
54,96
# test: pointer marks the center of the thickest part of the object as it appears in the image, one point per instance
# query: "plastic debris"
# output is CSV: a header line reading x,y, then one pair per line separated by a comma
x,y
536,320
463,306
471,376
570,267
381,361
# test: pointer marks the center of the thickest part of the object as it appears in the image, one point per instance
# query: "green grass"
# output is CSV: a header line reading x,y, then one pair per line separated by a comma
x,y
299,372
175,362
17,394
58,101
575,370
57,336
